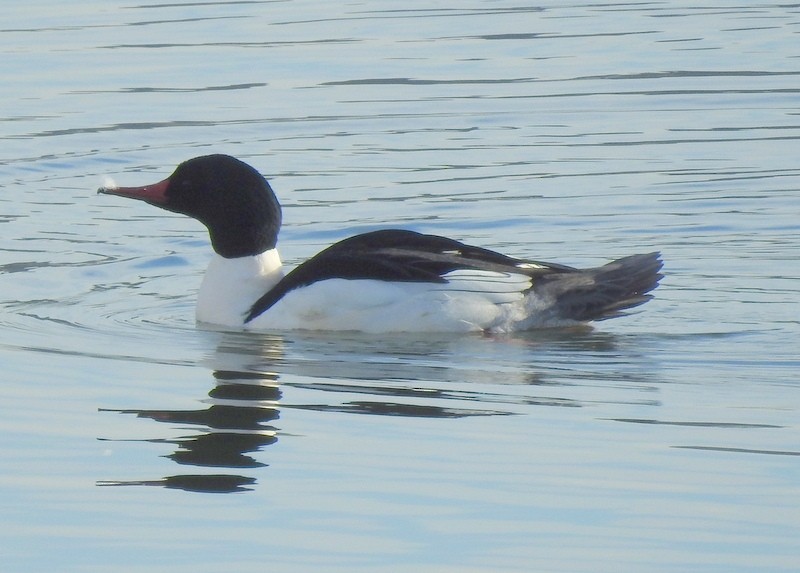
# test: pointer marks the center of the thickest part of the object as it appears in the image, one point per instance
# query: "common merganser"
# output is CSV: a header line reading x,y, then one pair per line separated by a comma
x,y
383,281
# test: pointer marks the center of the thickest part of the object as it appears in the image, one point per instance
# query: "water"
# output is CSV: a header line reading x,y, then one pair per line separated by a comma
x,y
665,441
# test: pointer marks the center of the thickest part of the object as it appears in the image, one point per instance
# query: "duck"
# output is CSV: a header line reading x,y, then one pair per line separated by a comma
x,y
389,280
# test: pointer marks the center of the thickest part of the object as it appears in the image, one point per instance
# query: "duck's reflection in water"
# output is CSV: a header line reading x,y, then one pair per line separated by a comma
x,y
412,377
237,423
243,405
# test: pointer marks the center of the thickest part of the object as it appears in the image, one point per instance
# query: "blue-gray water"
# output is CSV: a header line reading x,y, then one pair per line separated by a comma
x,y
572,132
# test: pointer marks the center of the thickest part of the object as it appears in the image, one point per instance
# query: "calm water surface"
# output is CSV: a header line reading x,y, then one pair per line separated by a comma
x,y
666,441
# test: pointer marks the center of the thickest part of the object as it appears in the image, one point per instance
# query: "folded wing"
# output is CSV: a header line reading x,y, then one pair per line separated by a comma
x,y
406,256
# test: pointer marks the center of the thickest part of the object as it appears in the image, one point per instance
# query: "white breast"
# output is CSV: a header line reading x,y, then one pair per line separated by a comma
x,y
231,286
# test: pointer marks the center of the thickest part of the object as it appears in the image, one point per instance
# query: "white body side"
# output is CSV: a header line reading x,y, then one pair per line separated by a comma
x,y
471,300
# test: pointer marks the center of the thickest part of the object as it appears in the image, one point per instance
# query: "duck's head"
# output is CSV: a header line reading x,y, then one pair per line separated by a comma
x,y
228,196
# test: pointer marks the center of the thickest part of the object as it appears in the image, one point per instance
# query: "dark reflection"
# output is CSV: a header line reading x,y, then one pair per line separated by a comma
x,y
237,423
197,483
216,417
414,376
741,450
395,409
221,450
368,407
695,424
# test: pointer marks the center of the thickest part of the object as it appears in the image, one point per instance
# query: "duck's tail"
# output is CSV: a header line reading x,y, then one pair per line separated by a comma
x,y
603,292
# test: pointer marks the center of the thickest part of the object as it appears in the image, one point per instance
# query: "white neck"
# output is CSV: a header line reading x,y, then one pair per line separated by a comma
x,y
231,286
